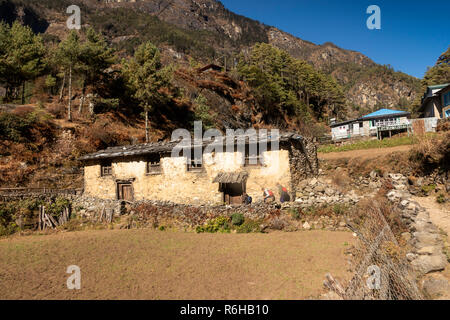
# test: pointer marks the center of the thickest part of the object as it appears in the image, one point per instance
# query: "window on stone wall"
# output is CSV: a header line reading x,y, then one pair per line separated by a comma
x,y
194,164
106,168
253,158
153,164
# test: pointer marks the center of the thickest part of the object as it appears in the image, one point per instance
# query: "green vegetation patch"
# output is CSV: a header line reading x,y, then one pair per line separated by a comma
x,y
370,144
236,223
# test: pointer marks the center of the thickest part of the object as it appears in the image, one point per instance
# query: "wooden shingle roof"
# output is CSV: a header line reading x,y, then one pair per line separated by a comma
x,y
166,147
231,177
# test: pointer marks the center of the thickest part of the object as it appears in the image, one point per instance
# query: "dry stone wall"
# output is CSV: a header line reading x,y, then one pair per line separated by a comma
x,y
194,215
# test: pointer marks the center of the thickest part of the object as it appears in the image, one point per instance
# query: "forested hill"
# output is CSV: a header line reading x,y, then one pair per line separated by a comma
x,y
366,84
196,32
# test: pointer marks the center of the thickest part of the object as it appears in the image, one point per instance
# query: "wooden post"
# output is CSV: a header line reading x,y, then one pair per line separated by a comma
x,y
43,218
40,219
52,220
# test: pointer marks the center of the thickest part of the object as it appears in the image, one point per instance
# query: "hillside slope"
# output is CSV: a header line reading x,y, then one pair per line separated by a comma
x,y
205,30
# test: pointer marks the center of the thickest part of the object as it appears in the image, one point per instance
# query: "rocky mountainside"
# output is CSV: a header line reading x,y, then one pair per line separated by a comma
x,y
206,31
365,90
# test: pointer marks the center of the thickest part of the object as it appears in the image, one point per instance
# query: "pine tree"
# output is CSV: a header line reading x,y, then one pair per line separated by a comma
x,y
146,76
440,73
22,56
284,83
68,56
95,58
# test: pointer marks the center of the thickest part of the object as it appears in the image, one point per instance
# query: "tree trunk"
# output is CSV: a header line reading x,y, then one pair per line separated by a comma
x,y
147,138
62,87
91,98
69,109
83,92
23,92
7,93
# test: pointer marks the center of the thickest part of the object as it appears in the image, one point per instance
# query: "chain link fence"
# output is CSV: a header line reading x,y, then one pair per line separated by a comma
x,y
381,269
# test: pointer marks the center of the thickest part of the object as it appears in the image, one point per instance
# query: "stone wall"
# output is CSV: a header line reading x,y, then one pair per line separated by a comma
x,y
424,238
186,215
303,163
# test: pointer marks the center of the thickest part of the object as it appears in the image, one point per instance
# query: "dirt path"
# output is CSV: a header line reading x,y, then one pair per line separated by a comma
x,y
149,264
363,154
439,214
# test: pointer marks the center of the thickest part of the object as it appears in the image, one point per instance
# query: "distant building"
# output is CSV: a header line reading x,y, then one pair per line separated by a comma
x,y
436,102
381,123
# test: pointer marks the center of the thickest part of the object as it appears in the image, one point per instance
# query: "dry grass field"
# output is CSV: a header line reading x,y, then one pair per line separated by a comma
x,y
151,264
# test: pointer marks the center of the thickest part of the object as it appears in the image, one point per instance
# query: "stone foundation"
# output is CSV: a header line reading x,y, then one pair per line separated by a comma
x,y
191,215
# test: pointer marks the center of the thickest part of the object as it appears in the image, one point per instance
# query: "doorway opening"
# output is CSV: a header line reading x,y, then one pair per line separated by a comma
x,y
233,192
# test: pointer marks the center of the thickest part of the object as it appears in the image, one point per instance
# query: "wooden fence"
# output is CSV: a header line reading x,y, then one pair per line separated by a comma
x,y
48,221
7,194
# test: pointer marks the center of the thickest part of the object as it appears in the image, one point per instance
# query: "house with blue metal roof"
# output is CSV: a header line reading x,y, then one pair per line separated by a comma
x,y
381,123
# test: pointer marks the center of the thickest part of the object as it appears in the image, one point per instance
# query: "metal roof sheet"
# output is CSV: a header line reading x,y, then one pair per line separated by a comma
x,y
383,112
439,86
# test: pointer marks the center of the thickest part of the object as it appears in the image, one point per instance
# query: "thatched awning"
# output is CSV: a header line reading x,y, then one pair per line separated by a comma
x,y
231,177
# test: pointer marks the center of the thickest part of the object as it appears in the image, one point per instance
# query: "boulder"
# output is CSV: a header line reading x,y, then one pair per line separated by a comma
x,y
425,239
419,182
319,189
411,206
306,226
373,185
400,187
429,250
435,286
406,236
404,203
424,226
411,256
429,263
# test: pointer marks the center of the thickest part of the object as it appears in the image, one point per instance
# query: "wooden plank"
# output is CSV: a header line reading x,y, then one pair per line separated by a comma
x,y
52,220
40,218
333,285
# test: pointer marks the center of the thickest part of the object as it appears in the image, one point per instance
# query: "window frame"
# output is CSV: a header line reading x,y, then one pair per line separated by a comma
x,y
446,99
153,165
194,165
247,156
106,169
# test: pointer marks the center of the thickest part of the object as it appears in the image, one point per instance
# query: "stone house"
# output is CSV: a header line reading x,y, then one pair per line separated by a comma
x,y
152,172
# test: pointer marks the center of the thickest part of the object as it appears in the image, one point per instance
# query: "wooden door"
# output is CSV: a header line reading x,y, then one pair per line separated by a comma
x,y
125,192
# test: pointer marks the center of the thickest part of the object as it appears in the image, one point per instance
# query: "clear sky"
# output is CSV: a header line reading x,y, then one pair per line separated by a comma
x,y
413,33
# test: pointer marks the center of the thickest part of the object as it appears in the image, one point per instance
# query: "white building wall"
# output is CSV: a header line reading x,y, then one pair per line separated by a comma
x,y
341,132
